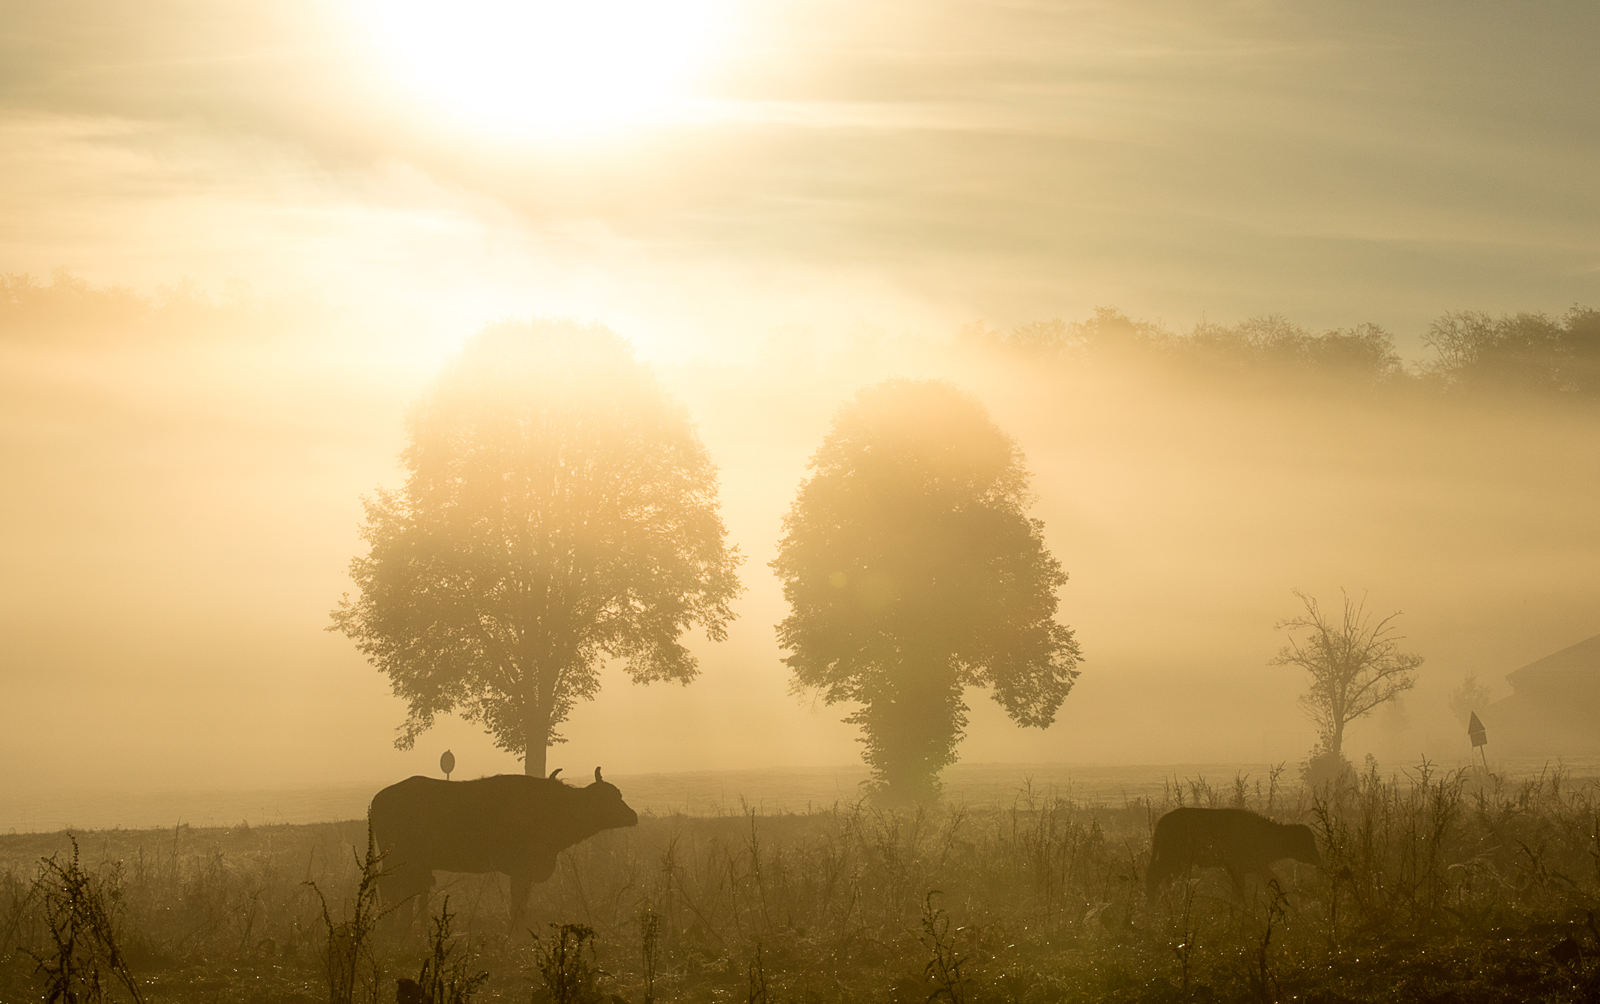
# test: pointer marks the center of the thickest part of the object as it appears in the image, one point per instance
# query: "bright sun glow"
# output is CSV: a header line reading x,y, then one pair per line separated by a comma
x,y
547,68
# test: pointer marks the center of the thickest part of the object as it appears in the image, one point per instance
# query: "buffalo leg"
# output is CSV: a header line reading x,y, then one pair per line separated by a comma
x,y
1155,875
405,893
538,870
521,883
1241,879
1166,867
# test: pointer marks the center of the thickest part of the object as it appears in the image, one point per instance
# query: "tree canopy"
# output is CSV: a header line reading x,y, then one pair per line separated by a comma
x,y
559,509
913,571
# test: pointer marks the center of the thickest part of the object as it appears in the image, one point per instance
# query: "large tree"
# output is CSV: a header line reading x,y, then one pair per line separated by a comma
x,y
1355,664
559,509
913,572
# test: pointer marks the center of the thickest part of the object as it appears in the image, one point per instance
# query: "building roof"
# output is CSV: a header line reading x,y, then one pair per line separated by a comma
x,y
1582,659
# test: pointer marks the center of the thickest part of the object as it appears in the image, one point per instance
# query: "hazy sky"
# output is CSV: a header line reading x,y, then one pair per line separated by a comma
x,y
814,161
763,184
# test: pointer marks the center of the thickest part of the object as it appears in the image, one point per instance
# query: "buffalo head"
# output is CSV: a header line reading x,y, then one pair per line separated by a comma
x,y
1303,844
608,804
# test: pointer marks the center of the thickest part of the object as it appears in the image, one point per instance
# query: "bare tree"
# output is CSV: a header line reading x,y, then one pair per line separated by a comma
x,y
1469,697
1355,665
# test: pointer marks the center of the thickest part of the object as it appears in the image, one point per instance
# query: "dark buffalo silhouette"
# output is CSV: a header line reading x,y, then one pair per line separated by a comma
x,y
508,823
1236,839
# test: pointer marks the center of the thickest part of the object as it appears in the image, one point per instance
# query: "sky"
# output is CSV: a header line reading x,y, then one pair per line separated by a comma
x,y
777,203
817,162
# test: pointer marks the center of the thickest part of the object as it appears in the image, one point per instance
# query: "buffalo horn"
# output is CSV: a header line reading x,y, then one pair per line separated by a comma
x,y
554,773
597,773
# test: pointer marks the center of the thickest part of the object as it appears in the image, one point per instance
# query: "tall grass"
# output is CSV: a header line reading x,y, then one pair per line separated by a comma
x,y
1442,879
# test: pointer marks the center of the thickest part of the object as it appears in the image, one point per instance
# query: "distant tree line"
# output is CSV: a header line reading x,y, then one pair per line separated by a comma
x,y
72,310
1473,351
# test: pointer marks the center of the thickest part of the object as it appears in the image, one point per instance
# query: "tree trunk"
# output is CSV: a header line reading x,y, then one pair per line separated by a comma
x,y
536,730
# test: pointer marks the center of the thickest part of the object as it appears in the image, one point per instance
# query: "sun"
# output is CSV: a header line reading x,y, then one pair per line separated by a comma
x,y
540,68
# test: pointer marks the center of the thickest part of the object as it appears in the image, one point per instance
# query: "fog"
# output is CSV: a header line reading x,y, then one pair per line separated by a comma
x,y
180,512
831,201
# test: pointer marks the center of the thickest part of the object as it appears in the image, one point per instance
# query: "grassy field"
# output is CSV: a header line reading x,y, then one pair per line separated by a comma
x,y
1435,886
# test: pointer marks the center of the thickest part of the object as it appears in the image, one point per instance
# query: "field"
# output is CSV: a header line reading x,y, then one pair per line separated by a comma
x,y
1434,886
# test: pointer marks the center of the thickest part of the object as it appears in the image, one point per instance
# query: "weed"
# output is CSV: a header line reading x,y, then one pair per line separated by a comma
x,y
756,977
567,963
1188,933
351,963
649,950
1263,981
944,965
445,979
79,912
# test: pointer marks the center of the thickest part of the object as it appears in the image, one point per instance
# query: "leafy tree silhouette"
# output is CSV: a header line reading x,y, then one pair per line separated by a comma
x,y
559,508
913,572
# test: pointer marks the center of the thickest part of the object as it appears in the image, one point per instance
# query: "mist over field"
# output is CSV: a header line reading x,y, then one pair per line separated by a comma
x,y
273,227
183,496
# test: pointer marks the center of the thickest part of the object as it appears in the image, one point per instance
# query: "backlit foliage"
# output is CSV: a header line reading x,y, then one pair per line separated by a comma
x,y
559,509
913,571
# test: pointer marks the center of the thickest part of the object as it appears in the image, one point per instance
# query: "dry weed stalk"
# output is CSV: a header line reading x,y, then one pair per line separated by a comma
x,y
79,912
349,942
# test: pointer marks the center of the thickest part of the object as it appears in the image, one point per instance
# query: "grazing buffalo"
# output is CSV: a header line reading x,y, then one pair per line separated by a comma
x,y
508,823
1236,839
